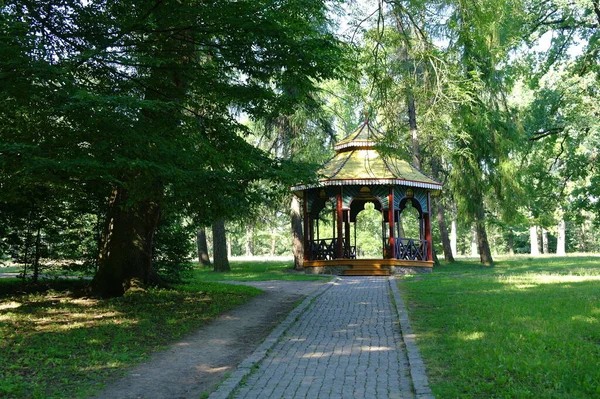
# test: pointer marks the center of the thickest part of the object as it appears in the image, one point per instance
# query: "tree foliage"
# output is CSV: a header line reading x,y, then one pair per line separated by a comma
x,y
133,102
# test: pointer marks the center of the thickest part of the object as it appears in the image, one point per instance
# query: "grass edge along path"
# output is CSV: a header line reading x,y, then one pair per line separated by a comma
x,y
55,345
527,328
256,271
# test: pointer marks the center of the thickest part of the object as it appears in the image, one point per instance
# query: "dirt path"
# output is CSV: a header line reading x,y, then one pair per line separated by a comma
x,y
195,365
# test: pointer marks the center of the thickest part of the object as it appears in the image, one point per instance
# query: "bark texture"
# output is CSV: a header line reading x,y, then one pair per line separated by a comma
x,y
485,255
125,257
203,256
221,262
297,234
441,219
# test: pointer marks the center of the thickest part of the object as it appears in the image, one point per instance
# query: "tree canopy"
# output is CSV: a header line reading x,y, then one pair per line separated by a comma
x,y
125,126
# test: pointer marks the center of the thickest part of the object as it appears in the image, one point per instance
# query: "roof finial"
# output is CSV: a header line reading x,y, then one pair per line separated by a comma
x,y
366,114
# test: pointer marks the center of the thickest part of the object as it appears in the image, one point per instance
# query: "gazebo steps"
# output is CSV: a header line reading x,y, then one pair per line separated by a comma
x,y
364,267
351,272
366,270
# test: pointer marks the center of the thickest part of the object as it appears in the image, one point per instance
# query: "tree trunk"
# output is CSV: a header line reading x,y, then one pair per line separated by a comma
x,y
533,239
36,259
485,255
544,240
441,218
561,240
297,234
221,262
249,236
203,257
436,261
473,241
414,132
453,240
125,258
511,242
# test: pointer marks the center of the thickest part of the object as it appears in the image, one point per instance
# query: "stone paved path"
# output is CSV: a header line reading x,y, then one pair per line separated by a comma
x,y
347,344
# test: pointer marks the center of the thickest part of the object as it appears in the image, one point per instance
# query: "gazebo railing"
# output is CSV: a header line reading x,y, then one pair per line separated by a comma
x,y
326,249
323,249
406,249
411,249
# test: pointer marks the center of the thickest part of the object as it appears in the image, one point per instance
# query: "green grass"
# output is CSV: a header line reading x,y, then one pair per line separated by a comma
x,y
10,269
55,344
255,271
523,329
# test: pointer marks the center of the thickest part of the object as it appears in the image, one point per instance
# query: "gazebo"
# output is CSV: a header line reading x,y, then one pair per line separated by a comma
x,y
358,174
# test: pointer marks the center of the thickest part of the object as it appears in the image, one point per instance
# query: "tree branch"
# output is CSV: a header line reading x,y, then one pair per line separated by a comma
x,y
545,133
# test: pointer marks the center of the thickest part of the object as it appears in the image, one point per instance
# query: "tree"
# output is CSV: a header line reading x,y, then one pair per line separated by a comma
x,y
144,109
203,257
221,262
297,234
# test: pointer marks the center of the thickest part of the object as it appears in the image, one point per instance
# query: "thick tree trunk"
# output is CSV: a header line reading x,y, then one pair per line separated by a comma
x,y
203,257
125,258
562,238
297,234
533,239
485,255
221,262
441,218
453,237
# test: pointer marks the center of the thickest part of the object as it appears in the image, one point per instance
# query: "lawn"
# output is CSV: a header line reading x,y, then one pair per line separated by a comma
x,y
523,329
58,344
256,271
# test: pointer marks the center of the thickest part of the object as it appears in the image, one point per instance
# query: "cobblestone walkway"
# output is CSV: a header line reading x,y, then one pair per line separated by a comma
x,y
347,344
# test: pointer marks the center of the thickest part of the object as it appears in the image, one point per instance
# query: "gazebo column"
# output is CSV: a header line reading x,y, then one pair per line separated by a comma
x,y
340,219
347,230
307,233
428,229
391,222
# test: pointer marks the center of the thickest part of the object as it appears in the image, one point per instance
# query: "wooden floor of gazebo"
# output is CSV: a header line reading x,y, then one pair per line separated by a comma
x,y
367,267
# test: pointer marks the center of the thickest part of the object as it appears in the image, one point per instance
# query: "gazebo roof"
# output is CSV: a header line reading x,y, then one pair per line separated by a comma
x,y
357,162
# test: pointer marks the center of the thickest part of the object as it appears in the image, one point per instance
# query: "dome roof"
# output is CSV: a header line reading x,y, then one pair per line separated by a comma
x,y
357,162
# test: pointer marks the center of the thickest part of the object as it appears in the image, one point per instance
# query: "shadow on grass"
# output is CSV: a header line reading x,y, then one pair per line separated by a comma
x,y
56,345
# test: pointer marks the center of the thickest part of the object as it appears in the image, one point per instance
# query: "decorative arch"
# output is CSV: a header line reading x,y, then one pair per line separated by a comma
x,y
358,174
415,204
